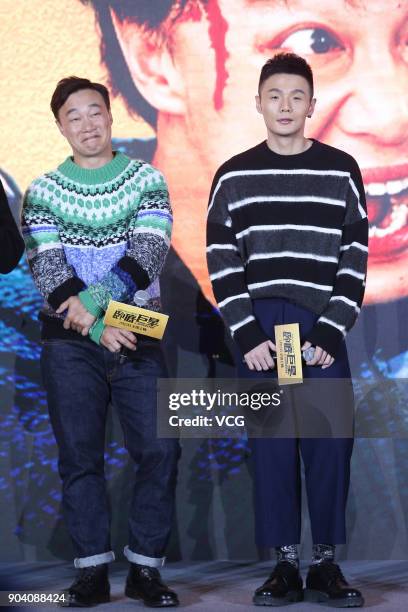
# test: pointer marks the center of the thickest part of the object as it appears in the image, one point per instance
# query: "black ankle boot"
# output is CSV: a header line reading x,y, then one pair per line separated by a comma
x,y
144,582
284,586
325,584
90,587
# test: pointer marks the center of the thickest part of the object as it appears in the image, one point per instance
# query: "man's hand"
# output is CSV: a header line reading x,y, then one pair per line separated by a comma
x,y
321,357
114,338
77,317
260,358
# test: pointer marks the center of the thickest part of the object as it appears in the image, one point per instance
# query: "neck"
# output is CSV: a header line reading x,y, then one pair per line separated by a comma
x,y
288,145
91,163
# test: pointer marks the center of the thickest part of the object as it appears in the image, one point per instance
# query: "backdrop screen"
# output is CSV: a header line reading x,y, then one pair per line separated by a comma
x,y
183,77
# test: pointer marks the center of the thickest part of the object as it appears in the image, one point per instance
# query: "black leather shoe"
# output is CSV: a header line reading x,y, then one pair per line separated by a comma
x,y
144,582
284,586
90,587
325,584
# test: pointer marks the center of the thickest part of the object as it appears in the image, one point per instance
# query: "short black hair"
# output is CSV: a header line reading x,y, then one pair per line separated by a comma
x,y
150,14
70,85
287,63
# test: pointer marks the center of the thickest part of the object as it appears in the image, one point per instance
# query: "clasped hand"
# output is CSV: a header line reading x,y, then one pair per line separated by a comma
x,y
80,320
77,317
260,358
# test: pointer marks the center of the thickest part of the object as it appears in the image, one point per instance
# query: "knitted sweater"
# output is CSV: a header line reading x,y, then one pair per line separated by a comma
x,y
292,227
100,234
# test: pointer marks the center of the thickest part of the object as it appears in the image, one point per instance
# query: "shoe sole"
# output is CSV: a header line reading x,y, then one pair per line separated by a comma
x,y
289,598
320,597
135,595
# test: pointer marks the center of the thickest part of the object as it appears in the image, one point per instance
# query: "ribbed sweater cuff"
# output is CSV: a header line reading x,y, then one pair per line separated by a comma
x,y
90,304
249,336
138,275
72,286
327,337
96,331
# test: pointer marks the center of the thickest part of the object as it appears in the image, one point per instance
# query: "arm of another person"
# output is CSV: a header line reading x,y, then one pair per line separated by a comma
x,y
12,244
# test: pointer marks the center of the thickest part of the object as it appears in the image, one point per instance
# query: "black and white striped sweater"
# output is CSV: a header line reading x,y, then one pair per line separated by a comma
x,y
293,227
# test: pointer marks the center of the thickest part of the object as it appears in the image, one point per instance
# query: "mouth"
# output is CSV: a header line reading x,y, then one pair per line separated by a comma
x,y
387,205
88,138
285,121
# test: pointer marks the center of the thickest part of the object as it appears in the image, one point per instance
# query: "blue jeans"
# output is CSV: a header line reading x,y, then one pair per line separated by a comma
x,y
81,379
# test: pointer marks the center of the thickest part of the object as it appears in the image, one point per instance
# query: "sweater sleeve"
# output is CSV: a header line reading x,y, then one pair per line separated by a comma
x,y
227,273
148,241
348,292
12,244
96,330
53,276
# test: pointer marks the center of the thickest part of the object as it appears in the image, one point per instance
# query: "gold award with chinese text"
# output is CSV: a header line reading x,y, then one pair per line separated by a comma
x,y
138,320
288,356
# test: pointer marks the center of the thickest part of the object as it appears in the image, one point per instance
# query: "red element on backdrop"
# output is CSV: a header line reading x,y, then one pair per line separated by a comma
x,y
217,30
218,27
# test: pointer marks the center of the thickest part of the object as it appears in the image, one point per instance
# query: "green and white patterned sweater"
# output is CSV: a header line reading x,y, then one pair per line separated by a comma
x,y
100,234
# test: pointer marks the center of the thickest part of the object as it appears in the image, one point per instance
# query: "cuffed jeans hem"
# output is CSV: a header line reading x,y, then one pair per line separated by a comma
x,y
142,560
105,557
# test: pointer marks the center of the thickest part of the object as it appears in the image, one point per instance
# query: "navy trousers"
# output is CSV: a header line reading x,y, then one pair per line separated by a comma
x,y
276,462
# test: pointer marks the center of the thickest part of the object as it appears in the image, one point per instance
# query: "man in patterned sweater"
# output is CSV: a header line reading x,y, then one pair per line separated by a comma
x,y
98,229
287,242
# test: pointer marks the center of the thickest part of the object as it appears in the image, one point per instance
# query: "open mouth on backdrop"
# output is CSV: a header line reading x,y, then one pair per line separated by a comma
x,y
387,206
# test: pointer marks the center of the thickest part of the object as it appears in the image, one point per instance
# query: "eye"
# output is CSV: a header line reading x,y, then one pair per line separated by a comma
x,y
312,40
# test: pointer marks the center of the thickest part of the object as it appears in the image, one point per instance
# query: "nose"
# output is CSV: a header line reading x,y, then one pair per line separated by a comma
x,y
377,109
87,124
285,106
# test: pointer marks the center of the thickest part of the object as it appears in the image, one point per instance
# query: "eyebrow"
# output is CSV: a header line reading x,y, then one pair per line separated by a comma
x,y
280,90
75,110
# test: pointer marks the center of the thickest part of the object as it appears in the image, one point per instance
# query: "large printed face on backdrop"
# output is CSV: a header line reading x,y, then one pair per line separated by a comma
x,y
203,79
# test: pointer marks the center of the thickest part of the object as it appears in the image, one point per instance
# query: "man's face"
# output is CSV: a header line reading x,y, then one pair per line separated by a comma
x,y
86,123
284,101
358,51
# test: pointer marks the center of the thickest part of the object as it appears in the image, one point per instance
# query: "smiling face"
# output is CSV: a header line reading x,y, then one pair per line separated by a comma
x,y
285,101
358,51
86,123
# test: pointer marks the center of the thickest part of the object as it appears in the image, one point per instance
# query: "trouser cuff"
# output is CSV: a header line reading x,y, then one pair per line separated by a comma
x,y
142,560
106,557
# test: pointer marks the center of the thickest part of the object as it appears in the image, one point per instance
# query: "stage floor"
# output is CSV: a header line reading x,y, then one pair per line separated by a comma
x,y
219,585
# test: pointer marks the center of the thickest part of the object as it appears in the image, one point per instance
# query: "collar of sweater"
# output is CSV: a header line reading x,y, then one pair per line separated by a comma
x,y
95,176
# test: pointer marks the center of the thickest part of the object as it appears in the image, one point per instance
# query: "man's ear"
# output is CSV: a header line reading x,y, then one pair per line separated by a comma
x,y
258,104
61,129
311,107
151,66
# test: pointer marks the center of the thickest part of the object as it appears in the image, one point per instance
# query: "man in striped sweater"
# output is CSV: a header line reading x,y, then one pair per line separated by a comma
x,y
287,239
98,229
